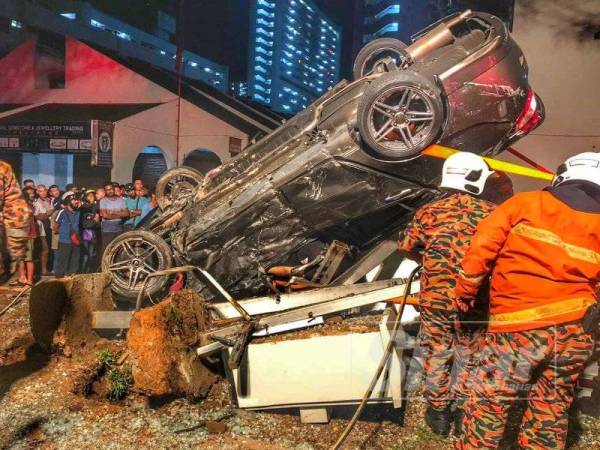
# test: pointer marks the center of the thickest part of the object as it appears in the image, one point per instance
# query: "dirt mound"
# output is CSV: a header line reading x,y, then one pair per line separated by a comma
x,y
61,311
162,342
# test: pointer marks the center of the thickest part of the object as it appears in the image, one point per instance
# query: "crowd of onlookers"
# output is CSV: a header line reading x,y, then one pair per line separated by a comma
x,y
70,229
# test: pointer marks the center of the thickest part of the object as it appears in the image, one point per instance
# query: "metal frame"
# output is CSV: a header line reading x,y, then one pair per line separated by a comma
x,y
229,333
254,306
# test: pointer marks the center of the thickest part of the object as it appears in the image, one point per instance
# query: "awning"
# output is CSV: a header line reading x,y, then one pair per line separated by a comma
x,y
66,112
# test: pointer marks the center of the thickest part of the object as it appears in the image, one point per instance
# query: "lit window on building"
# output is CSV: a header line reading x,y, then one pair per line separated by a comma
x,y
260,40
122,35
97,24
389,28
265,4
265,32
265,22
263,51
265,13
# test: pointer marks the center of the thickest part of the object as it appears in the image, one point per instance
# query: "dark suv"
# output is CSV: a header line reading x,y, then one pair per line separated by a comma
x,y
349,168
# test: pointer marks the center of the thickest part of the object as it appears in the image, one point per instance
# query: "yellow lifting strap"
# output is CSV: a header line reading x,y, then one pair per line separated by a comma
x,y
544,312
439,151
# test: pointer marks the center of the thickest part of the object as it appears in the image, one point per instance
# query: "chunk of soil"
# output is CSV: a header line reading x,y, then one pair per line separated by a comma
x,y
162,342
61,311
15,348
87,375
83,377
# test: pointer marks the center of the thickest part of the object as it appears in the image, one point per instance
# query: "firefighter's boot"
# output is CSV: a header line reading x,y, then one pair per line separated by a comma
x,y
438,421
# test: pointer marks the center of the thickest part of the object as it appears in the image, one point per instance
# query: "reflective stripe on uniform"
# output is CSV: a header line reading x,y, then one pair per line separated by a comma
x,y
543,312
548,237
471,278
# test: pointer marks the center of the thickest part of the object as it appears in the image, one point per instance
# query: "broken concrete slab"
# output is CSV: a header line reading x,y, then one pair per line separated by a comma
x,y
331,365
315,415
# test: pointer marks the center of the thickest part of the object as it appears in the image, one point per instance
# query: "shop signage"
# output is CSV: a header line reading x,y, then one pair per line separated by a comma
x,y
94,136
102,143
46,137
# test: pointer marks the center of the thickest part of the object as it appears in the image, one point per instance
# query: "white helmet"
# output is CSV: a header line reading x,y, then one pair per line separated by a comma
x,y
465,172
584,166
67,194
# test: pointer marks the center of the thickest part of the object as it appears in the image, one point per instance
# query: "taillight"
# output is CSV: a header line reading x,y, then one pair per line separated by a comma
x,y
530,117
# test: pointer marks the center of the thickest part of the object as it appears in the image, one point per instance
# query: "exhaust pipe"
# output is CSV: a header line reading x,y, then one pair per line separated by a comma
x,y
438,37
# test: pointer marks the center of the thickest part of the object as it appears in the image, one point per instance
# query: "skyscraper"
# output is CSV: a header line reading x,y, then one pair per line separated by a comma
x,y
382,19
294,54
394,18
403,18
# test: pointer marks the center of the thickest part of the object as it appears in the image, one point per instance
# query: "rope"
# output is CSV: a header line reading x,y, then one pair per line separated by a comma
x,y
14,301
388,349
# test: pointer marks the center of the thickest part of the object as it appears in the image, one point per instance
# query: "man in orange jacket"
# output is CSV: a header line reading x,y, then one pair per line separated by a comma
x,y
543,251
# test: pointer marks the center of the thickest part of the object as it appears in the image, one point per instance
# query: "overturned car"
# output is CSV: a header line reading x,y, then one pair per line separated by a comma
x,y
329,185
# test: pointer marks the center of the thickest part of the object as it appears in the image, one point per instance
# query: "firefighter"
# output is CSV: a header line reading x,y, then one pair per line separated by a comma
x,y
438,237
543,252
15,224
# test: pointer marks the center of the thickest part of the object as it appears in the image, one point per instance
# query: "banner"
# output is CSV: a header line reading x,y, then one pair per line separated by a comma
x,y
102,143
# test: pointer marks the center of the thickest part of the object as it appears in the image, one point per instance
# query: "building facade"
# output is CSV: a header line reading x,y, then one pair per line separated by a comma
x,y
83,21
112,118
294,54
401,19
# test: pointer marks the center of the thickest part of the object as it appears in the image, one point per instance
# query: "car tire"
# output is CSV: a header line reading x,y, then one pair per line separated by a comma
x,y
130,257
374,52
399,115
176,182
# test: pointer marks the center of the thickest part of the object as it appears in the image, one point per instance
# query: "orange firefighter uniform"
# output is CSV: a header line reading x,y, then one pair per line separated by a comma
x,y
544,256
15,216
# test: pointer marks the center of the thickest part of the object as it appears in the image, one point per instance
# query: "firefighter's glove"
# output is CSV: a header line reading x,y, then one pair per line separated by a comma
x,y
591,320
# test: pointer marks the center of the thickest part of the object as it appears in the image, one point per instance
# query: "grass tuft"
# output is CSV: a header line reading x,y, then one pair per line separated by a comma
x,y
120,382
120,379
106,358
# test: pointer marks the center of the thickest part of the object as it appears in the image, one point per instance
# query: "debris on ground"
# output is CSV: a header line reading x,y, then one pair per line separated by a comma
x,y
42,407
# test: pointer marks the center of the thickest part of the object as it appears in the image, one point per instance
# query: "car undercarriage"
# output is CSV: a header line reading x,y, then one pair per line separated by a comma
x,y
351,168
